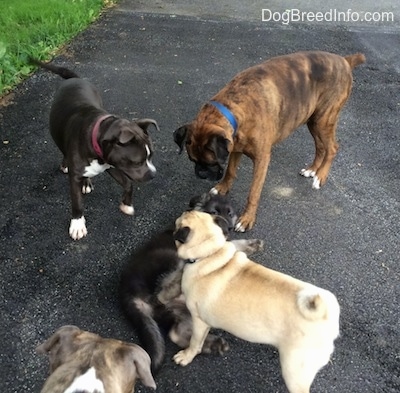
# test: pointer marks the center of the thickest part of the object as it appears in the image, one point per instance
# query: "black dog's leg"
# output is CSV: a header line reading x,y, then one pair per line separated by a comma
x,y
77,228
126,204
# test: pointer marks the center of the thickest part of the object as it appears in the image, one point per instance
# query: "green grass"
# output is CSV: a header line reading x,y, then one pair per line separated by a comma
x,y
38,28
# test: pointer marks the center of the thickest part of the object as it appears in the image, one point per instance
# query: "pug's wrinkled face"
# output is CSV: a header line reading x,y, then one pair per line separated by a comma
x,y
198,234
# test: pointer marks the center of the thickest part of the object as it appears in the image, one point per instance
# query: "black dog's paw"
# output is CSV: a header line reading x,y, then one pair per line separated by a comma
x,y
215,344
87,186
249,246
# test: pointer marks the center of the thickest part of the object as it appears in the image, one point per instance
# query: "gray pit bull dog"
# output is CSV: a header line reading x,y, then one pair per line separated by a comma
x,y
93,141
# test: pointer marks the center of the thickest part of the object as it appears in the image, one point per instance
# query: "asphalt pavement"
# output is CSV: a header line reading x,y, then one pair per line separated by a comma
x,y
164,60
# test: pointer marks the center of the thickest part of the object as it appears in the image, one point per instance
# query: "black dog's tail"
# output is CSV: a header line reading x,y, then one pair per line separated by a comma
x,y
63,72
151,339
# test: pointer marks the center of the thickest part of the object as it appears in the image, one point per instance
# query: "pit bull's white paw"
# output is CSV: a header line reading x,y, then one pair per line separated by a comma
x,y
239,227
129,210
86,189
77,228
87,186
183,358
214,191
316,183
64,169
307,173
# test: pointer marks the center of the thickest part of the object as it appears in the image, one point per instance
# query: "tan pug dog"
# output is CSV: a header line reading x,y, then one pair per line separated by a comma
x,y
224,289
81,361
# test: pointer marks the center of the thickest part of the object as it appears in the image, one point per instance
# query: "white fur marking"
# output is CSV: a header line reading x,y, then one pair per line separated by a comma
x,y
95,168
149,163
64,169
129,210
239,227
77,228
307,173
214,191
87,383
316,183
86,189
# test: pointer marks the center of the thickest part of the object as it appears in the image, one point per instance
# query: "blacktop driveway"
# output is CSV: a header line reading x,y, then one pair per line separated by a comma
x,y
163,60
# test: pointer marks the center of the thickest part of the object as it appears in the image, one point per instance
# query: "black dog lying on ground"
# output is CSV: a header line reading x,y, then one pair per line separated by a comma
x,y
93,141
152,275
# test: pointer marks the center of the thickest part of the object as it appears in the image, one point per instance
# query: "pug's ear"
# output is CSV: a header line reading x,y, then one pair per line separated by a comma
x,y
180,136
181,235
223,224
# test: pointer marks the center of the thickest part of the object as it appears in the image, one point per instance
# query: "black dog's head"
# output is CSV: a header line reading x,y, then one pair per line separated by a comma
x,y
217,205
128,147
207,147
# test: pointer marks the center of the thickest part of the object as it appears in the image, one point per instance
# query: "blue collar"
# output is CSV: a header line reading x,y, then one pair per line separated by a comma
x,y
228,114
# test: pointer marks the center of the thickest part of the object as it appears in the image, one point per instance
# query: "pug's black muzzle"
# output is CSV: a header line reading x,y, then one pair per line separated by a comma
x,y
209,172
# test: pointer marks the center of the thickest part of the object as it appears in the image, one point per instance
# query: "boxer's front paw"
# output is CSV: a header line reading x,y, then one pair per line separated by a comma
x,y
219,189
316,183
245,223
307,173
129,210
77,228
184,357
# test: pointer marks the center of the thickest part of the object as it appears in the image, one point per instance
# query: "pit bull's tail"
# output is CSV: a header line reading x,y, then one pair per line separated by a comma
x,y
355,60
63,72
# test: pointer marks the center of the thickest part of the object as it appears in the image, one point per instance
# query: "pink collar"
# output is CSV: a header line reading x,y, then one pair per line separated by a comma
x,y
95,133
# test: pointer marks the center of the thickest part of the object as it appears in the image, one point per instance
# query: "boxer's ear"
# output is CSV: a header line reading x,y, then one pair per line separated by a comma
x,y
180,136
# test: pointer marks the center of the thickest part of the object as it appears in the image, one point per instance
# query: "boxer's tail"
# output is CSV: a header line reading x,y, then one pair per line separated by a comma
x,y
355,60
63,72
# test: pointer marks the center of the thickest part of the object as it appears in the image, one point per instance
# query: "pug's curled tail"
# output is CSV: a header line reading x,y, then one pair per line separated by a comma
x,y
63,72
139,313
318,304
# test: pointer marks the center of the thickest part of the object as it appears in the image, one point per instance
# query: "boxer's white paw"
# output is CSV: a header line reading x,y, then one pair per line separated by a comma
x,y
77,228
316,183
307,173
239,227
214,191
129,210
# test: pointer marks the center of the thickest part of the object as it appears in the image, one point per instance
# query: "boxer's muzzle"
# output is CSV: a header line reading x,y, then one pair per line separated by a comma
x,y
209,172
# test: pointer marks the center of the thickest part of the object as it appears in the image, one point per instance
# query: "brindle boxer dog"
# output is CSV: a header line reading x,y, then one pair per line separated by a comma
x,y
263,105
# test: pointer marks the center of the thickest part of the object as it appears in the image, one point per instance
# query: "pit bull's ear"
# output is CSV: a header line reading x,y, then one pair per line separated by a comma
x,y
58,336
219,145
223,224
145,123
125,136
141,361
180,136
182,234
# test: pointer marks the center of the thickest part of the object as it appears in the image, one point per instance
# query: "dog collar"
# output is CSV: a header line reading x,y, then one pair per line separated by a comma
x,y
95,133
228,115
